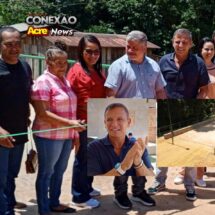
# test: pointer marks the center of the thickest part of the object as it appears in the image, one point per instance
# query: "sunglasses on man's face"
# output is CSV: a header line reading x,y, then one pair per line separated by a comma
x,y
92,52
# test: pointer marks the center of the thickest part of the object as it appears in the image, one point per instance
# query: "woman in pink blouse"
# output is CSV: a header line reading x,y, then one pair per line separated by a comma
x,y
55,105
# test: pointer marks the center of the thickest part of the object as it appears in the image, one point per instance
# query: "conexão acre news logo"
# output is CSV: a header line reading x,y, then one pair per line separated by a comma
x,y
38,20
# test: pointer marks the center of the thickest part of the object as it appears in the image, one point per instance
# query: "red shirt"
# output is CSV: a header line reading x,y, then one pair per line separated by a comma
x,y
85,86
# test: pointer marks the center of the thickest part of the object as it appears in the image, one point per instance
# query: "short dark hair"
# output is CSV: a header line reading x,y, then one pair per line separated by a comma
x,y
201,44
8,29
116,105
81,46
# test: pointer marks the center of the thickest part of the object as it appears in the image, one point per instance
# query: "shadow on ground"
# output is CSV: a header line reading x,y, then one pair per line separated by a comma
x,y
168,202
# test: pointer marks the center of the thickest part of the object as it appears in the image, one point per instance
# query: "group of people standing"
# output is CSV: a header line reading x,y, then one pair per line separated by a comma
x,y
60,101
55,103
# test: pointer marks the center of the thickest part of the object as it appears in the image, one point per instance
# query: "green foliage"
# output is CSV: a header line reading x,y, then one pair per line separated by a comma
x,y
16,11
157,18
102,28
183,112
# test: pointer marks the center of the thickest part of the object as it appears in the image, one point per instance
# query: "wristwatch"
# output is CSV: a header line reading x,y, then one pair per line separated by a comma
x,y
119,169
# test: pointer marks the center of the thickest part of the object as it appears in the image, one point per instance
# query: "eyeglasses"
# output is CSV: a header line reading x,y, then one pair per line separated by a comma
x,y
92,52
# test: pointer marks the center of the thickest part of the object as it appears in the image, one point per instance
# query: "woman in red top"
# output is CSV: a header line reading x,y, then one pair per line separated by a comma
x,y
87,81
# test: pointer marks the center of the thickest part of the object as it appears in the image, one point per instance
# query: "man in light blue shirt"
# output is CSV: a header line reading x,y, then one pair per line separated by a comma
x,y
134,75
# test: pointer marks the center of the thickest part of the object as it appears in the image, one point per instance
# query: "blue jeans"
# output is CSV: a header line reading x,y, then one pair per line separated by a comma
x,y
121,185
81,183
10,162
189,177
120,182
53,156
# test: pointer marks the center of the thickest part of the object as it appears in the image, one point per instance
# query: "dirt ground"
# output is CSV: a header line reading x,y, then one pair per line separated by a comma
x,y
171,201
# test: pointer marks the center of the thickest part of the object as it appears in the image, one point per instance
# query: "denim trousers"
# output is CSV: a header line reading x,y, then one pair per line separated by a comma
x,y
121,185
53,156
81,183
189,177
10,162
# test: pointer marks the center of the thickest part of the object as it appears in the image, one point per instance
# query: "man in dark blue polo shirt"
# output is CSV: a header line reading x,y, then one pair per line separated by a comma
x,y
15,84
185,73
186,77
102,158
115,154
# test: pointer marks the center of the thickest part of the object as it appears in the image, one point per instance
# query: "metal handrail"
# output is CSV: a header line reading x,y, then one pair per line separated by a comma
x,y
105,66
167,128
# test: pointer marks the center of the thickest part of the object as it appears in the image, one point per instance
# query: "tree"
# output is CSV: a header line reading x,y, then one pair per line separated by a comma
x,y
183,112
14,11
157,18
